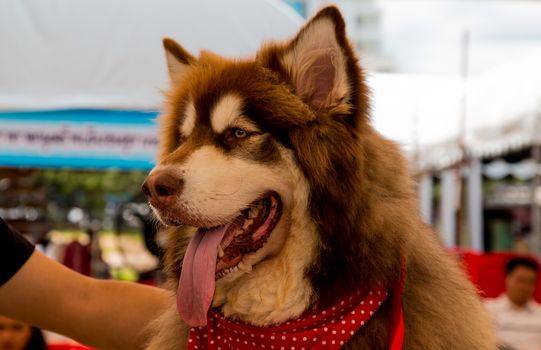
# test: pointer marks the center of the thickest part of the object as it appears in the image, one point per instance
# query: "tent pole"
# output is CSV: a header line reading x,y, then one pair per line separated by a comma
x,y
465,161
535,213
475,205
448,207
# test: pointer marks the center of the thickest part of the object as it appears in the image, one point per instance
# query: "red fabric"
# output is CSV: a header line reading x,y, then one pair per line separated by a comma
x,y
329,329
77,257
397,325
66,347
487,272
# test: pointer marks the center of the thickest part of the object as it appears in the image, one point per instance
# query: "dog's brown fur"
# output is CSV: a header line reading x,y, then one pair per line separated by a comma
x,y
362,199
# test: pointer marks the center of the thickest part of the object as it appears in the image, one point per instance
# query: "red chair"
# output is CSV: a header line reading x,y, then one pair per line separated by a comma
x,y
487,272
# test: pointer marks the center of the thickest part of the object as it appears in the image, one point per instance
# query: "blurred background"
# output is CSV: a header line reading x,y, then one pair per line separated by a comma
x,y
456,83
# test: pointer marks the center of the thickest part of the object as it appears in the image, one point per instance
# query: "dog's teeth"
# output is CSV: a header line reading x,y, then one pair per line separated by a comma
x,y
247,224
241,266
220,251
244,267
254,212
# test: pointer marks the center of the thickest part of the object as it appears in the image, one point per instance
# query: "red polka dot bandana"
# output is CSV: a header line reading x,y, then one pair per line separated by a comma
x,y
328,329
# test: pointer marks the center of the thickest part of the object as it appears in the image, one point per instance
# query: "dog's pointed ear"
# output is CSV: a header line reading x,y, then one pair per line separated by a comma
x,y
319,60
178,60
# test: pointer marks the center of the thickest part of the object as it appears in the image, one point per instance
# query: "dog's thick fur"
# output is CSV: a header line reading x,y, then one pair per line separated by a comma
x,y
350,211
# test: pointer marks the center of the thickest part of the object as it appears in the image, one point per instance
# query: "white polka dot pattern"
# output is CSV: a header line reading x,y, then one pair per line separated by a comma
x,y
328,329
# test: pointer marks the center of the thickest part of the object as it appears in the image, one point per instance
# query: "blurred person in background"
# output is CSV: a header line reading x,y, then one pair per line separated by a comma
x,y
15,335
516,316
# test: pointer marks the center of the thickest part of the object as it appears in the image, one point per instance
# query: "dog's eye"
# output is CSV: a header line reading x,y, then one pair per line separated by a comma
x,y
240,133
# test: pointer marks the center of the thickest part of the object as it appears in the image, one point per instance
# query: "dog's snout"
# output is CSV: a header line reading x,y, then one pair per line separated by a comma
x,y
161,186
146,189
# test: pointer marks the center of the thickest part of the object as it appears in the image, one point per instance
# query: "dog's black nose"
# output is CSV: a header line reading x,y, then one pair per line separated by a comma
x,y
161,186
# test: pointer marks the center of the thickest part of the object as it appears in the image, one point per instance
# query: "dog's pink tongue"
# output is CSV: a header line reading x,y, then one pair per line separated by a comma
x,y
197,279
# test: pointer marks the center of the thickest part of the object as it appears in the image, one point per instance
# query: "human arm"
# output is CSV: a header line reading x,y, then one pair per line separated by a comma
x,y
104,314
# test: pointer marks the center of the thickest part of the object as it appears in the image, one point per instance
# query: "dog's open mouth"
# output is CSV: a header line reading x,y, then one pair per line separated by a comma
x,y
248,233
218,251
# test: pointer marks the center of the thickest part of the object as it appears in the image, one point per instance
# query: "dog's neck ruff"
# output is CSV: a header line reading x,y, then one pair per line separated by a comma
x,y
328,329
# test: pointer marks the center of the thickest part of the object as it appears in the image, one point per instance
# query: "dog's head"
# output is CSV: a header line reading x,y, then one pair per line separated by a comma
x,y
261,157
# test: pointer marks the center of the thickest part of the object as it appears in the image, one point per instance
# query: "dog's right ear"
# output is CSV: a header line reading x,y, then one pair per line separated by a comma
x,y
320,61
178,60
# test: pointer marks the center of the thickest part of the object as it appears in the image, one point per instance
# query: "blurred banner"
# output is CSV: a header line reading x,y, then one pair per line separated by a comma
x,y
90,139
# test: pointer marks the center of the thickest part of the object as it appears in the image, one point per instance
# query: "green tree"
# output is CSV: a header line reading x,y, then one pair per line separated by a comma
x,y
89,190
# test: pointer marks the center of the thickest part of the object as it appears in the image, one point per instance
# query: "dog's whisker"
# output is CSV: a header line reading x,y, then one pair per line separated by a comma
x,y
233,192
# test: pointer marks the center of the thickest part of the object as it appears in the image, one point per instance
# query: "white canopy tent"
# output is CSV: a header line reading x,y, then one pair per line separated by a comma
x,y
420,113
61,54
81,81
505,108
108,54
503,111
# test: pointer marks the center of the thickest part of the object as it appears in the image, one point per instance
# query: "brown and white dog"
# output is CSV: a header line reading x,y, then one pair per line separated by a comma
x,y
294,200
